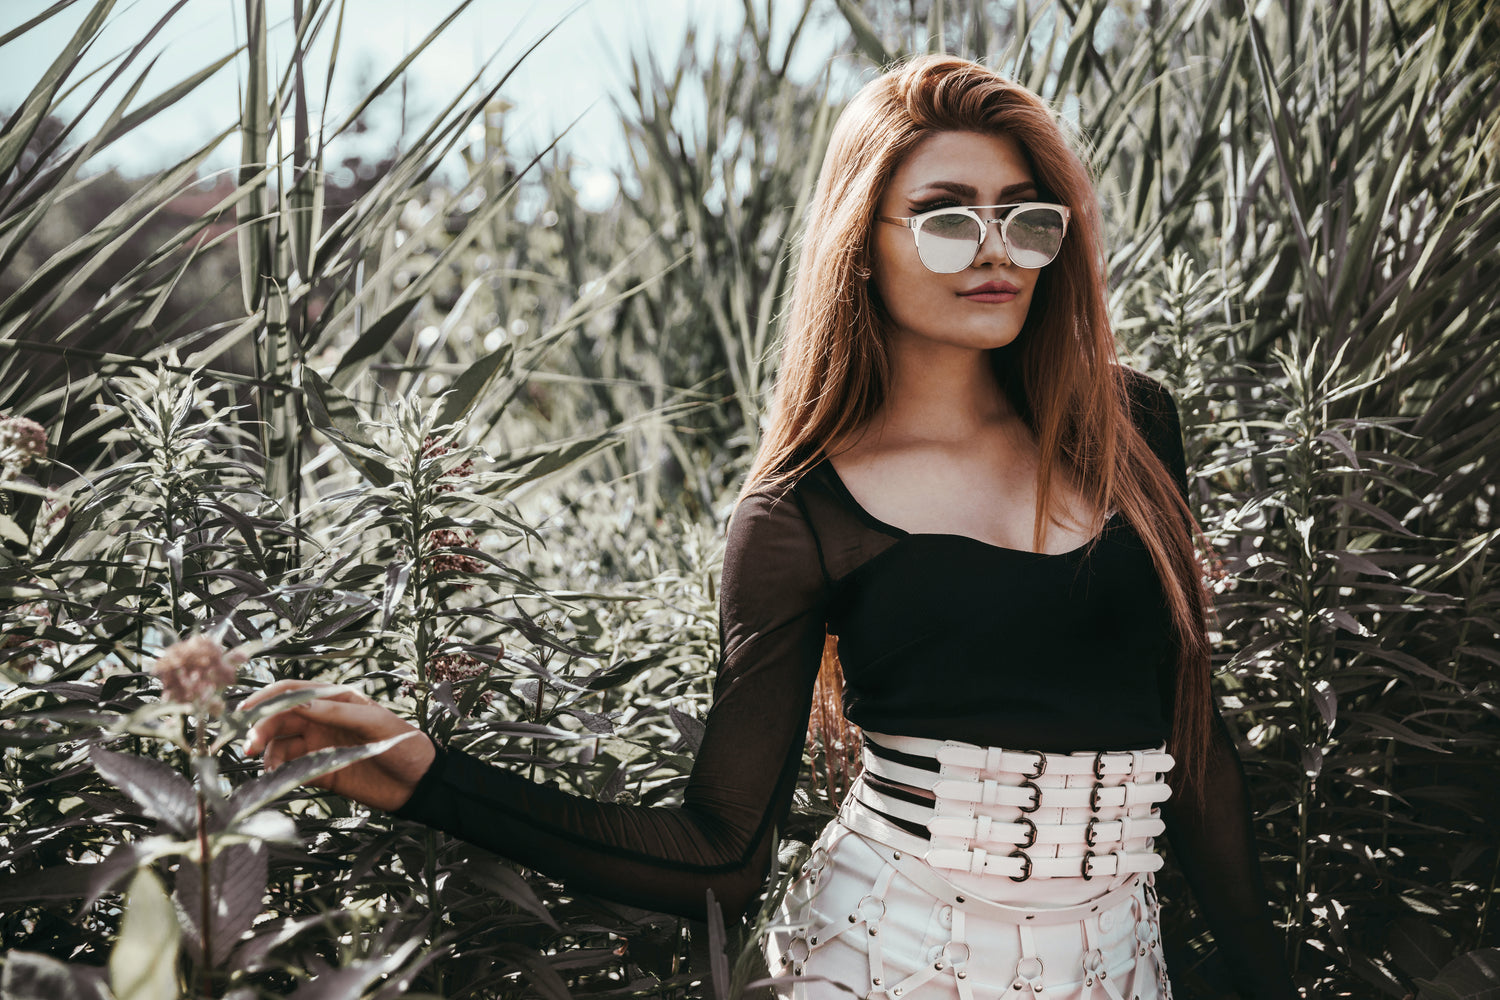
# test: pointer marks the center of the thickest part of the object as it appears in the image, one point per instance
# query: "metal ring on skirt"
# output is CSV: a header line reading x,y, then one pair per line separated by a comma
x,y
868,915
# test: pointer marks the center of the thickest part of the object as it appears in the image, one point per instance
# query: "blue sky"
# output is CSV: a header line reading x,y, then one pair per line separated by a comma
x,y
575,72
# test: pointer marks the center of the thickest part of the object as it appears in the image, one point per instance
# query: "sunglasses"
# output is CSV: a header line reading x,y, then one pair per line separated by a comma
x,y
948,239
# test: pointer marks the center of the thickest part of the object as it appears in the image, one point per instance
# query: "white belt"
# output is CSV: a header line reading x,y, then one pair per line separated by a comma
x,y
1025,794
1030,764
1021,866
1030,797
985,829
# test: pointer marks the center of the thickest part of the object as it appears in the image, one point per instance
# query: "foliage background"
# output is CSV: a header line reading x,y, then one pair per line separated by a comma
x,y
243,389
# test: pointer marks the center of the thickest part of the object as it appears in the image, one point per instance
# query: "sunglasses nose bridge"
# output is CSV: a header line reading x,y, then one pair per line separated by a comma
x,y
998,242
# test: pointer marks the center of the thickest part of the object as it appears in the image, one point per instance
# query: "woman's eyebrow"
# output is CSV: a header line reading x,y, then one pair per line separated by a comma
x,y
970,192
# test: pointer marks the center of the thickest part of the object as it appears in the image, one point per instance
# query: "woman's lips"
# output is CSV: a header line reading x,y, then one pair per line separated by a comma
x,y
991,291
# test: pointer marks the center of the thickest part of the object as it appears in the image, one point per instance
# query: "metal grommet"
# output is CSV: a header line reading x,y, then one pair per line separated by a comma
x,y
1041,765
1036,796
1026,866
1030,832
1084,868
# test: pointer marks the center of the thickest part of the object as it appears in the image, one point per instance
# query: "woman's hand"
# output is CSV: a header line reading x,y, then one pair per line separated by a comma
x,y
344,718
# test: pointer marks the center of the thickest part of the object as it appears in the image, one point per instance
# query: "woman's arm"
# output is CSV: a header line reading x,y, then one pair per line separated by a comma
x,y
772,629
1214,841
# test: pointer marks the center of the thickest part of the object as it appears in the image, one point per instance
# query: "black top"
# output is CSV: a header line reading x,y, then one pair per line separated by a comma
x,y
939,635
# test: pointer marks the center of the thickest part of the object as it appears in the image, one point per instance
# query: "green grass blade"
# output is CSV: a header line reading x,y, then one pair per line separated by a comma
x,y
22,125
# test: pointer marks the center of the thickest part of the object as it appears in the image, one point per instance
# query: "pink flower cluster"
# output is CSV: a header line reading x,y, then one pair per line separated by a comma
x,y
455,668
22,441
440,558
196,671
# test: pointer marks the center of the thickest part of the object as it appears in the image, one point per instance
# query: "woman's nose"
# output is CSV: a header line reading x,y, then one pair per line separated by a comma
x,y
992,250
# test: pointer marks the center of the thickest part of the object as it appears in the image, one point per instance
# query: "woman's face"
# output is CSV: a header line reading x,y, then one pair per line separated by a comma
x,y
984,305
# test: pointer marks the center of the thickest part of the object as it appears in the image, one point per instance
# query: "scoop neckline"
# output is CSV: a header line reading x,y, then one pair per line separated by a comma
x,y
889,528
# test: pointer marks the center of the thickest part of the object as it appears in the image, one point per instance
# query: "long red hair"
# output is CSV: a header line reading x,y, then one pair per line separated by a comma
x,y
1061,373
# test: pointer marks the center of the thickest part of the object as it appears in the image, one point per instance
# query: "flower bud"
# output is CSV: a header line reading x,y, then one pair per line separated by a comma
x,y
22,441
196,671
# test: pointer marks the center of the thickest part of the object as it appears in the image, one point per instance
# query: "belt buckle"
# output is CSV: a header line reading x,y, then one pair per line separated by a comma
x,y
1041,765
1036,796
1026,866
1030,832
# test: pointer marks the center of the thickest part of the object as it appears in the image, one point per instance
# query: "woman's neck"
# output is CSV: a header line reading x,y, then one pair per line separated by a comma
x,y
942,394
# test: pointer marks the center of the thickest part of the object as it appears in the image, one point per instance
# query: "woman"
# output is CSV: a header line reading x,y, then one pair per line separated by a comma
x,y
968,512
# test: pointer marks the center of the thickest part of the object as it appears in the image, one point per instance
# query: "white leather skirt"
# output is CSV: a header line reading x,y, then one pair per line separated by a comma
x,y
1036,880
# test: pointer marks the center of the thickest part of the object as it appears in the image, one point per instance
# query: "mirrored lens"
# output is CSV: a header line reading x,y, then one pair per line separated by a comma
x,y
946,241
1033,236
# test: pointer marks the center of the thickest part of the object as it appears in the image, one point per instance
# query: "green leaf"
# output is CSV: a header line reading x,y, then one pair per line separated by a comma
x,y
143,965
11,531
473,383
373,338
507,885
21,29
22,125
161,792
236,892
335,415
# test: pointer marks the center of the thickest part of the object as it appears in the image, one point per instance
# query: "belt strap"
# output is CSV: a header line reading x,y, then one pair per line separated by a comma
x,y
1020,865
1026,762
1030,797
985,829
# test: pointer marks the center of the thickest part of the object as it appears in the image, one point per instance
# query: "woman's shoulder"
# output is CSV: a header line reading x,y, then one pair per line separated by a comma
x,y
1154,413
1145,393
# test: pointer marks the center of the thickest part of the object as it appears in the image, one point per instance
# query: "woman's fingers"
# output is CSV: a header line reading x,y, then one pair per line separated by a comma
x,y
294,719
359,720
273,689
283,749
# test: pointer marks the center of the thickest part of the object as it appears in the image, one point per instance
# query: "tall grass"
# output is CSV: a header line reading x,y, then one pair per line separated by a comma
x,y
477,461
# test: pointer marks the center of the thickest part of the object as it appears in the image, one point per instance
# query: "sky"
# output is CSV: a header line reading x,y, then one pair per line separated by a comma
x,y
574,74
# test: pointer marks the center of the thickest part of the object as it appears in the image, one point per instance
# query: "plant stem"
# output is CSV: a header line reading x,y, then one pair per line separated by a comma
x,y
205,909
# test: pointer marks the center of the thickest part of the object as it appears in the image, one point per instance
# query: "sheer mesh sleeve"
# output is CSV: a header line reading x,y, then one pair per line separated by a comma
x,y
771,631
1214,843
